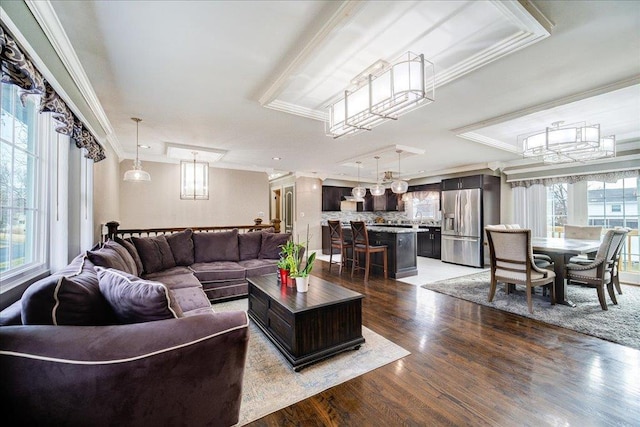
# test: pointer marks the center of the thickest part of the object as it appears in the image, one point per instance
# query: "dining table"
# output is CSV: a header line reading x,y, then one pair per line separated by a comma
x,y
560,250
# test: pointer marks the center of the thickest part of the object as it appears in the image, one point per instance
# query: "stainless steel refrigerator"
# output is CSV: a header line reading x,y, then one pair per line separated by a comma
x,y
462,227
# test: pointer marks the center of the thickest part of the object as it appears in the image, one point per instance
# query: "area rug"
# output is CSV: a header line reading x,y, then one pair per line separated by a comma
x,y
619,324
270,383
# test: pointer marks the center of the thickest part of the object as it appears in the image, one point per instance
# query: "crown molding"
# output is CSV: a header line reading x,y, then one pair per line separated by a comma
x,y
47,18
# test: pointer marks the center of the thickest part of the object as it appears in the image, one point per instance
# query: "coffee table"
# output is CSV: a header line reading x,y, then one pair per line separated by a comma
x,y
310,326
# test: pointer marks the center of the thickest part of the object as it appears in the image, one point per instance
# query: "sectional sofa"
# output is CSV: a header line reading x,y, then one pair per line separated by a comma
x,y
126,334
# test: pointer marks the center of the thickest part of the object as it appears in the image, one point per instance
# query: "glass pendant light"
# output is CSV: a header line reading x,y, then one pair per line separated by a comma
x,y
137,174
359,192
377,189
399,186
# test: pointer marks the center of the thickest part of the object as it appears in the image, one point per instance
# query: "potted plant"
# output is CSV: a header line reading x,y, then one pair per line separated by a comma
x,y
300,272
288,262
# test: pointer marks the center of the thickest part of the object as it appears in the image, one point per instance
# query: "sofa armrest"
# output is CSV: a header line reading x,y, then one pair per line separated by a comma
x,y
185,371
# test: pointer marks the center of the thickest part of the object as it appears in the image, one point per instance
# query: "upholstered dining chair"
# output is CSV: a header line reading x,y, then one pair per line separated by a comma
x,y
582,232
541,260
600,271
361,246
512,262
338,241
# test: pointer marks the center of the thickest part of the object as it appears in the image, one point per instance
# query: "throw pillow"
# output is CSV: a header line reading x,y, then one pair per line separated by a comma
x,y
271,245
155,253
249,245
181,246
69,297
222,246
129,262
107,257
131,248
135,300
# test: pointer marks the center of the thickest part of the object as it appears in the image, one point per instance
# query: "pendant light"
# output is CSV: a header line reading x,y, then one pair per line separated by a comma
x,y
359,192
399,186
137,174
377,189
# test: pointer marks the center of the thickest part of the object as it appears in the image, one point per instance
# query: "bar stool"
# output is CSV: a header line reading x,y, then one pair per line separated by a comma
x,y
339,242
361,245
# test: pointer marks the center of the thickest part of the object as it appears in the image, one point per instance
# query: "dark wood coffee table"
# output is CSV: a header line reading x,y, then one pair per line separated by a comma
x,y
310,326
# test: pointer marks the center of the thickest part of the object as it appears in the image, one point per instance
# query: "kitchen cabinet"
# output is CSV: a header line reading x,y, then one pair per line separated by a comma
x,y
401,253
429,243
332,196
463,183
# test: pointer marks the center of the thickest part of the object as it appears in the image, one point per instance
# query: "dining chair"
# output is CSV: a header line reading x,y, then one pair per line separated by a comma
x,y
361,246
582,232
512,262
541,260
338,241
600,271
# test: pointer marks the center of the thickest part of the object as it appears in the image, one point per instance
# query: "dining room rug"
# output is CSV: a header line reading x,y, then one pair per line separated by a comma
x,y
270,383
618,324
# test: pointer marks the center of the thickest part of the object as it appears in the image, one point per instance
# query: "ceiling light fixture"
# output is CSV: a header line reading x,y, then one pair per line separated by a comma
x,y
399,186
384,92
560,143
377,189
359,192
137,174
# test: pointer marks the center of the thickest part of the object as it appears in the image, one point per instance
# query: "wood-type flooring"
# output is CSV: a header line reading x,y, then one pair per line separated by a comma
x,y
472,365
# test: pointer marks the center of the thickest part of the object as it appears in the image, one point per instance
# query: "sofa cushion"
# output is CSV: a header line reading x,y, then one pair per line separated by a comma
x,y
177,277
107,257
218,271
271,245
131,248
181,246
136,300
155,253
191,298
259,267
210,247
69,297
249,245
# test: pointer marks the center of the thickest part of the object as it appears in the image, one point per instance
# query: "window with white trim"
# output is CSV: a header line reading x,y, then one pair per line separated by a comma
x,y
194,180
22,199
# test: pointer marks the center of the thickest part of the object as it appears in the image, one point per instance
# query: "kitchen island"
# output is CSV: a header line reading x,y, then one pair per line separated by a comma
x,y
401,248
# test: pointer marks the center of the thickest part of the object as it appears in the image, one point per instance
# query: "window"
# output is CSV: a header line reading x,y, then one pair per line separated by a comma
x,y
22,173
194,180
424,204
557,210
616,208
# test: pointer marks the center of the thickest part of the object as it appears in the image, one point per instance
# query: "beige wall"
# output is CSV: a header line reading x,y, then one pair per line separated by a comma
x,y
309,211
106,191
235,198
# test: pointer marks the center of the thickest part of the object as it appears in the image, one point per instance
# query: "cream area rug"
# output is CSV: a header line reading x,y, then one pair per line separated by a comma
x,y
618,324
270,383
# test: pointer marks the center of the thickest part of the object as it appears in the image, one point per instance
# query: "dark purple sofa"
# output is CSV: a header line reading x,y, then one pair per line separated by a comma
x,y
126,335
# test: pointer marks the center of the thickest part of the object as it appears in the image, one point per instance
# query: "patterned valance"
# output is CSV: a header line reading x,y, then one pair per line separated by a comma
x,y
610,177
18,70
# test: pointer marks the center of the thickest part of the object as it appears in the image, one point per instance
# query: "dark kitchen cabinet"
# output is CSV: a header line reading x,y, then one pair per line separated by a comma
x,y
401,253
394,201
463,183
429,243
332,196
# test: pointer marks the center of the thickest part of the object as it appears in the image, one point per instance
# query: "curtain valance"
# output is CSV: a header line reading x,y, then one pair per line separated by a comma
x,y
610,177
18,70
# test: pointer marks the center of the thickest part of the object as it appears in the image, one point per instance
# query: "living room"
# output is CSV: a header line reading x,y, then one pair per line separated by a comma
x,y
244,86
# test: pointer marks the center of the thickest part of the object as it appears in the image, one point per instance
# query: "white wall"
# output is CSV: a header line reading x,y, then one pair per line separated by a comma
x,y
235,198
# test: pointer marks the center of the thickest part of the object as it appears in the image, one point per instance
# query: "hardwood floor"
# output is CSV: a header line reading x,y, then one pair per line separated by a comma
x,y
472,365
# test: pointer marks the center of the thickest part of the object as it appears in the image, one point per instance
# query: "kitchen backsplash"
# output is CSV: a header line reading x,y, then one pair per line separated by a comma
x,y
363,216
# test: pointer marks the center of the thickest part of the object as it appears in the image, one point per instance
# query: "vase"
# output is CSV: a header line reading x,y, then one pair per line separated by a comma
x,y
284,276
302,284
